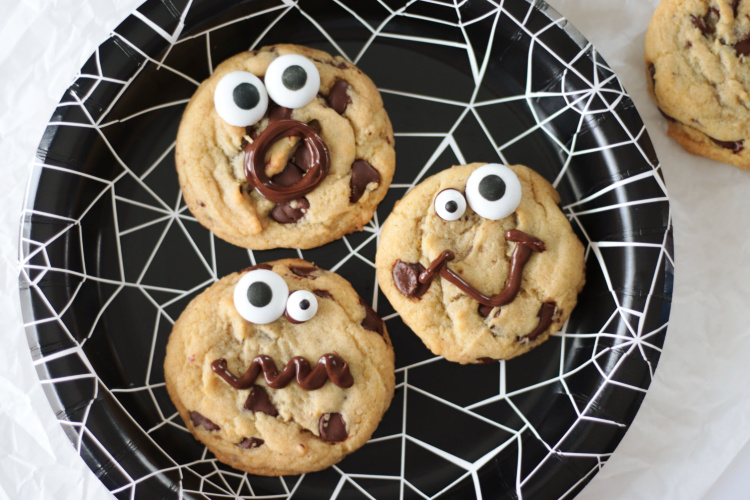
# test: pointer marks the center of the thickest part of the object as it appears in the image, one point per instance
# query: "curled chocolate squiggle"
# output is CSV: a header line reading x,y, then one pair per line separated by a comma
x,y
330,366
255,161
521,254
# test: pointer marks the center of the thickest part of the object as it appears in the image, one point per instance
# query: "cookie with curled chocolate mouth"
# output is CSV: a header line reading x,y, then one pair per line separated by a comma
x,y
285,146
698,73
280,368
480,262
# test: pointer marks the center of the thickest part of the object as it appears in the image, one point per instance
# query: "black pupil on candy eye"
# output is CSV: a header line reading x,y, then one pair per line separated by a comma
x,y
451,207
492,188
259,294
246,96
304,305
294,77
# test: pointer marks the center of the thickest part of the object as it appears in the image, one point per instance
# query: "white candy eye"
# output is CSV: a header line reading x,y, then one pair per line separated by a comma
x,y
493,191
241,99
301,306
260,296
292,81
450,204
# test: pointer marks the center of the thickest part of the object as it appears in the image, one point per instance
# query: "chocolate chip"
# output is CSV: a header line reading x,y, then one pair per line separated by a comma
x,y
487,361
290,176
302,158
342,65
323,294
250,443
735,5
742,48
700,23
688,44
258,401
406,279
362,174
304,271
338,98
332,427
277,113
257,266
285,213
372,321
734,146
201,421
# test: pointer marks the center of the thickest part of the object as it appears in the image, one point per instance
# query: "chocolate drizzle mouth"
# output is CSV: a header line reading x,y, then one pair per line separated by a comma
x,y
255,161
329,366
526,245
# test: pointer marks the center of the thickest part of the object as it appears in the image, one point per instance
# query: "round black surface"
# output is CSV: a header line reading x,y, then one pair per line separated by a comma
x,y
111,255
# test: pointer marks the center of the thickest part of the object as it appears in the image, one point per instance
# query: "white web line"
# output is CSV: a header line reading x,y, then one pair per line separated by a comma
x,y
625,338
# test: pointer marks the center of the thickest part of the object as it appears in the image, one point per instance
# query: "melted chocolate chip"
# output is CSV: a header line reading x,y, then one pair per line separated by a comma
x,y
406,279
285,213
201,421
250,443
338,98
742,48
372,321
734,146
362,174
258,401
688,44
332,427
304,271
735,5
257,266
290,176
323,294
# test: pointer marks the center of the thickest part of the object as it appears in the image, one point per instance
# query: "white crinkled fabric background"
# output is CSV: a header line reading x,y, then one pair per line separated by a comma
x,y
696,416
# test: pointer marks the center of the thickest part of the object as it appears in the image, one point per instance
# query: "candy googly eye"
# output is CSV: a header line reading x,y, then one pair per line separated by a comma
x,y
301,306
241,99
450,204
493,191
260,296
292,81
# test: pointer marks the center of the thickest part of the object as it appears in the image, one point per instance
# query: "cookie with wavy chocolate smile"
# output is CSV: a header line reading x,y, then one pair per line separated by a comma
x,y
285,146
480,262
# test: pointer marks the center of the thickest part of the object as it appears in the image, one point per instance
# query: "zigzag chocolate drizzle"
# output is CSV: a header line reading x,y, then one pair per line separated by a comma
x,y
330,366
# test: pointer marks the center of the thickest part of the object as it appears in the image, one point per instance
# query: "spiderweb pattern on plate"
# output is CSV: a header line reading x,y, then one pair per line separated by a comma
x,y
138,204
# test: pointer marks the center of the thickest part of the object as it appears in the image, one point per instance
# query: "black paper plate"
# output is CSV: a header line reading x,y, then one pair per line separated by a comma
x,y
111,256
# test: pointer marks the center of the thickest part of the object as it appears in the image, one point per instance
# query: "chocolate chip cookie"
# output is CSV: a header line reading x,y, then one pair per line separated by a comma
x,y
480,262
280,368
699,75
285,146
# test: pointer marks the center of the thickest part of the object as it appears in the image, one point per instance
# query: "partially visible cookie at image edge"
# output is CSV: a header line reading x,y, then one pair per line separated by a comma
x,y
698,72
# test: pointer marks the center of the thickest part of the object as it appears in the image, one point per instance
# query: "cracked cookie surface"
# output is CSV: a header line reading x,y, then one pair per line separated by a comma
x,y
347,114
449,320
265,424
696,54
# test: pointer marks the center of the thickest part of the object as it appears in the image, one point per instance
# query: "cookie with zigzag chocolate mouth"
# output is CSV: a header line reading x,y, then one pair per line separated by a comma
x,y
480,262
284,146
280,369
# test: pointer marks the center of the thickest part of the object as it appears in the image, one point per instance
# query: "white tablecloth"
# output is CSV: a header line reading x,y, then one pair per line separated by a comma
x,y
696,416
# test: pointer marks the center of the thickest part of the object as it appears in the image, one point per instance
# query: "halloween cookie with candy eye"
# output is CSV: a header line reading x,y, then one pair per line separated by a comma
x,y
280,369
480,262
285,146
